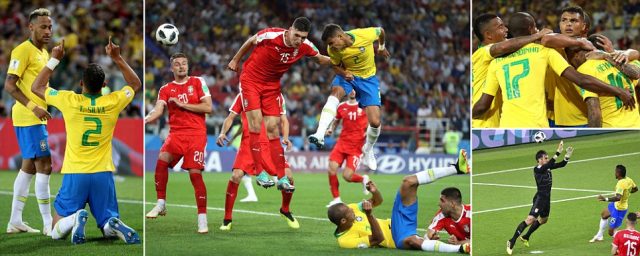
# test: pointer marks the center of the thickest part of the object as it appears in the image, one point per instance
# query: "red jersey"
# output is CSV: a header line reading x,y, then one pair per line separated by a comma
x,y
236,108
460,228
354,125
271,57
182,121
627,242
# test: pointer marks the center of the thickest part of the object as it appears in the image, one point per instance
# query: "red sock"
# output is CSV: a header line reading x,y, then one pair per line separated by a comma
x,y
267,164
230,199
277,155
162,176
333,184
254,142
356,177
286,199
200,191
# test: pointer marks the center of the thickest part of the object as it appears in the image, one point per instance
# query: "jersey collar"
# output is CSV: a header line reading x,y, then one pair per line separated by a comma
x,y
93,97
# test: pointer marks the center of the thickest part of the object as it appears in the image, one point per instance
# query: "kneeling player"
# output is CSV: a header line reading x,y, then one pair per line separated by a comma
x,y
358,228
88,166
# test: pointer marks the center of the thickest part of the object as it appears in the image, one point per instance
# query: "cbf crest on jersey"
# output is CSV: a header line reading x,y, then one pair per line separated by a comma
x,y
190,90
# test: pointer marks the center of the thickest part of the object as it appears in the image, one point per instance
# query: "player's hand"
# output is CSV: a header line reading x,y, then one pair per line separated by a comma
x,y
222,140
58,51
597,55
453,240
113,50
367,207
601,198
586,44
560,146
348,76
569,152
627,99
385,53
287,142
605,43
372,187
177,102
41,113
233,65
543,32
328,132
620,57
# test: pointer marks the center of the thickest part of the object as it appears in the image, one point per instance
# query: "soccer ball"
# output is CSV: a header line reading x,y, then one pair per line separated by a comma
x,y
167,34
539,137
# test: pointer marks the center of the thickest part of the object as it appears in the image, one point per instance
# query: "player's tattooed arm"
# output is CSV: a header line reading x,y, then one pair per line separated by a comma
x,y
322,59
234,64
594,114
590,83
512,45
482,105
563,41
155,113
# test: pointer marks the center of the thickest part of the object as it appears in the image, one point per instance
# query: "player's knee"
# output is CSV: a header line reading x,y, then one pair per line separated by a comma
x,y
374,122
414,242
236,177
347,175
611,231
543,221
409,181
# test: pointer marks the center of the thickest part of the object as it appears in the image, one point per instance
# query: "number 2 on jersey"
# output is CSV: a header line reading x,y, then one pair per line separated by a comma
x,y
97,130
512,84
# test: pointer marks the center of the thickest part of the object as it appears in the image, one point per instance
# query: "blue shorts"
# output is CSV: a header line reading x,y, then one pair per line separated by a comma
x,y
404,220
33,141
97,189
617,216
367,89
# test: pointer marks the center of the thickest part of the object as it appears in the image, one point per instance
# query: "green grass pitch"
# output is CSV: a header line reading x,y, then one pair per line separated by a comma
x,y
129,193
257,227
503,187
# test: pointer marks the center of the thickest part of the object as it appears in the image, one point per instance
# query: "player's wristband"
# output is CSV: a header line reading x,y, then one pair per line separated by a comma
x,y
31,106
53,62
381,47
557,154
566,159
606,199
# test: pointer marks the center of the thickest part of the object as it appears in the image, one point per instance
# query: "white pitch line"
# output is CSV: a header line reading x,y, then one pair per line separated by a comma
x,y
534,187
529,205
570,162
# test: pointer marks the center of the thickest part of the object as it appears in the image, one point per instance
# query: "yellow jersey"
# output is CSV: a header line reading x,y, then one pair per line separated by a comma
x,y
26,62
358,235
550,92
623,187
358,58
89,122
571,108
481,59
614,114
520,78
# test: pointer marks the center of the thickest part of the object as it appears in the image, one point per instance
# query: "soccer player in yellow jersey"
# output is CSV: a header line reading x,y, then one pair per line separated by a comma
x,y
618,205
518,76
607,111
90,119
358,228
353,58
492,34
29,116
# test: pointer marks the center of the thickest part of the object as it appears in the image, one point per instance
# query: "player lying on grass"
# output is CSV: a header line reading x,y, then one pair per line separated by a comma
x,y
453,216
539,213
618,204
90,119
357,227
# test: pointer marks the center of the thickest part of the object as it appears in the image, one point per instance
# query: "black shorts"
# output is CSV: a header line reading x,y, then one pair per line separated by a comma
x,y
541,206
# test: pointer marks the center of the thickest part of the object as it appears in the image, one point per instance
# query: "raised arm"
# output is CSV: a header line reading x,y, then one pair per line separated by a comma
x,y
513,44
155,113
376,196
226,125
203,107
382,50
39,85
113,50
244,49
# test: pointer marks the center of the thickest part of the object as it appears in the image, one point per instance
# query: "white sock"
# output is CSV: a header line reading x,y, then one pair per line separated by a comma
x,y
603,226
246,182
20,193
372,136
437,246
43,195
63,227
108,232
431,175
161,202
202,218
327,115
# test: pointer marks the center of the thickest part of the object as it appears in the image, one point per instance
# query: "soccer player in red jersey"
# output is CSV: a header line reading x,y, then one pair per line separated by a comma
x,y
625,242
244,164
188,100
453,216
349,146
274,51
